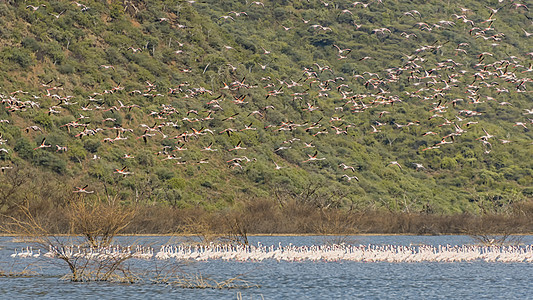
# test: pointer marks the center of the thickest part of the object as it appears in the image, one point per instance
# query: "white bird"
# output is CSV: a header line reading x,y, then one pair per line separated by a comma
x,y
35,7
346,167
419,166
395,163
83,190
349,178
58,15
265,51
4,168
313,157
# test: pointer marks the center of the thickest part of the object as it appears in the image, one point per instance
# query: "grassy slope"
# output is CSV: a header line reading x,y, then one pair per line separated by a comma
x,y
71,49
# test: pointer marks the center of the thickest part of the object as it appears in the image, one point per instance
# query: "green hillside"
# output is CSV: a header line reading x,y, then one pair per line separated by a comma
x,y
417,106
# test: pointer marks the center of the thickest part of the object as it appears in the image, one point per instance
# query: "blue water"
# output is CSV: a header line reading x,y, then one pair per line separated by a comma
x,y
287,280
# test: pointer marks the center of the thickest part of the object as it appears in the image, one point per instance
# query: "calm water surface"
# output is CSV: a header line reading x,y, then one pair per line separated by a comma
x,y
290,280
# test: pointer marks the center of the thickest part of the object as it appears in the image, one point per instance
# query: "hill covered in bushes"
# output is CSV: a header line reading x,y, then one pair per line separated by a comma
x,y
414,106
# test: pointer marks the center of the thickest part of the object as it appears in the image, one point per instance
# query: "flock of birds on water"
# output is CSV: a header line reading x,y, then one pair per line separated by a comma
x,y
292,253
432,72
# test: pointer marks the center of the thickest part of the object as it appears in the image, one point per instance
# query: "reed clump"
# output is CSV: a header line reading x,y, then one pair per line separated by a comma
x,y
199,281
12,271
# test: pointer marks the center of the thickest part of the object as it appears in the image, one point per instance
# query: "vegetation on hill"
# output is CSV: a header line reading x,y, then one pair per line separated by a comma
x,y
413,106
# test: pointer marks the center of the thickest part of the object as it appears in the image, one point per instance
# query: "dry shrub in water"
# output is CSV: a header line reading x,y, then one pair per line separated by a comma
x,y
499,229
97,221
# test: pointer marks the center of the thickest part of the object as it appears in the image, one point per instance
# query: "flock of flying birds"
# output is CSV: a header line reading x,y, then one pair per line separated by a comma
x,y
433,73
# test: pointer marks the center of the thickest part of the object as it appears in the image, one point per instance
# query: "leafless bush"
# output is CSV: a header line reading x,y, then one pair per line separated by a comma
x,y
97,221
498,229
497,240
112,269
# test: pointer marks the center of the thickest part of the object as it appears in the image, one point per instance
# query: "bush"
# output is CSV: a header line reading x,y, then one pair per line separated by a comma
x,y
177,183
31,44
24,149
21,56
44,120
164,173
448,163
76,153
51,161
91,144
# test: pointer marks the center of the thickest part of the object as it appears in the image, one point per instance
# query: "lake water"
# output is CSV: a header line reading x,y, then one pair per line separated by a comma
x,y
287,280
